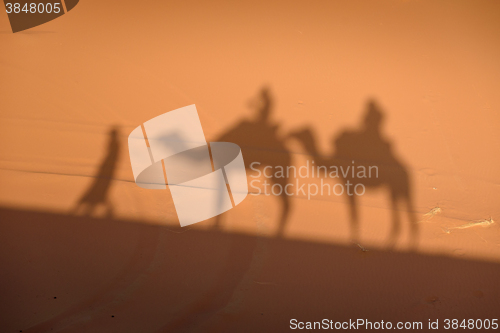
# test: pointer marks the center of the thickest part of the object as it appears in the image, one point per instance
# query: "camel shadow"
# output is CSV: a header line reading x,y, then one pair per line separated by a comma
x,y
97,192
367,161
262,146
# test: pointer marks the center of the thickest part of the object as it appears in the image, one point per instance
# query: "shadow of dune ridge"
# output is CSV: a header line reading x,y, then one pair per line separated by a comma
x,y
365,159
70,273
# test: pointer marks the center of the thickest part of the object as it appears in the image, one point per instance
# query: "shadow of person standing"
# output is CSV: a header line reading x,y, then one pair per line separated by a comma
x,y
366,148
97,193
262,146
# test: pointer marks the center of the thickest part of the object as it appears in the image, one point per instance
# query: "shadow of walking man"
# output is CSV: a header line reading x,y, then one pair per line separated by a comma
x,y
353,151
97,193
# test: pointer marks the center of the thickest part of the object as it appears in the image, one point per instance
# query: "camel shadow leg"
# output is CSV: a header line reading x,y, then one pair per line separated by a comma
x,y
353,207
414,232
396,222
285,200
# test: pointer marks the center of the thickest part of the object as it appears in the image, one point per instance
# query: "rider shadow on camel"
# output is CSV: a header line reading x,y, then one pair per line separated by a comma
x,y
367,146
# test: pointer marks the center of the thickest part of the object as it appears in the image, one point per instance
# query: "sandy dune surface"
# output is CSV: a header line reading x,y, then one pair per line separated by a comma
x,y
408,86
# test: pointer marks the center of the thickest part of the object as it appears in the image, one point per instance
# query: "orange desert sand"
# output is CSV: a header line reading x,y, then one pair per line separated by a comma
x,y
410,86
